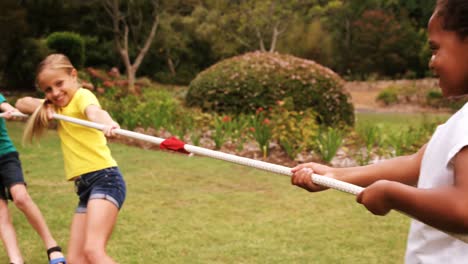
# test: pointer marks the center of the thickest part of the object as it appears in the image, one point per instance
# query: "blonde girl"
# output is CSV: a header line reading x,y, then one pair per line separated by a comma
x,y
88,162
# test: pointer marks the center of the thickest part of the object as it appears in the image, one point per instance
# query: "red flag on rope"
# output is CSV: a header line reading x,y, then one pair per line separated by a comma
x,y
175,144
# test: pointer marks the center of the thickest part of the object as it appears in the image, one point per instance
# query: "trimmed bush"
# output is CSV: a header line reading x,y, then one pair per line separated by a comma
x,y
70,44
245,83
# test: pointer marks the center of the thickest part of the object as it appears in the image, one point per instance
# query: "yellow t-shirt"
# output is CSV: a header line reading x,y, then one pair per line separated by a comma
x,y
84,149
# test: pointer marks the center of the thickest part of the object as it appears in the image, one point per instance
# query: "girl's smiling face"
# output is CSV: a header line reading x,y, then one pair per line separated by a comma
x,y
449,60
59,85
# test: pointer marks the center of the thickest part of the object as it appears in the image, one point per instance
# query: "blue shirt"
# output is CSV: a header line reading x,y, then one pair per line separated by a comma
x,y
6,145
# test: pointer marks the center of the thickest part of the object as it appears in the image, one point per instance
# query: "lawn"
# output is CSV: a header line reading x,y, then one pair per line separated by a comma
x,y
182,209
399,120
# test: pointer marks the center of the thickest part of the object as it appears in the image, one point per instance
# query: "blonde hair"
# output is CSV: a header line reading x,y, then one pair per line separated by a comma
x,y
39,121
54,61
37,124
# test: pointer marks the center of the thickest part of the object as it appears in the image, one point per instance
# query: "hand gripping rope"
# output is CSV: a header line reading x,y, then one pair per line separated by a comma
x,y
177,145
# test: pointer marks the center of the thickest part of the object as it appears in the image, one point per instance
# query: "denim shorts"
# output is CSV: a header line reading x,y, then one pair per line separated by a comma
x,y
11,173
105,184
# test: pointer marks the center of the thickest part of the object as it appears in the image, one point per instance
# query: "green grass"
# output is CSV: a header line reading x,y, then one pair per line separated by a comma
x,y
182,209
399,120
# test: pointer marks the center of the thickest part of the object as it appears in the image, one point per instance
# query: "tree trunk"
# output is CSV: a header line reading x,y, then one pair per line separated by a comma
x,y
121,41
274,38
131,80
170,64
260,39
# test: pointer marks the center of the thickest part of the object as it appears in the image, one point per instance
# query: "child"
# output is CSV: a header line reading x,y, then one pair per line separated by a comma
x,y
13,187
439,169
88,161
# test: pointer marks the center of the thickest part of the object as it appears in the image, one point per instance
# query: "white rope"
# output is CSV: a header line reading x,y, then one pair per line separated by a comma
x,y
317,179
324,181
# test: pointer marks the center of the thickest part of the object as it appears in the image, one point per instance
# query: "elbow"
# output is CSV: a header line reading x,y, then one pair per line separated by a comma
x,y
93,116
24,105
460,217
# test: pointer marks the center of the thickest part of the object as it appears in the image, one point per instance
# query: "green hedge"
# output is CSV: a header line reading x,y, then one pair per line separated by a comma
x,y
70,44
245,83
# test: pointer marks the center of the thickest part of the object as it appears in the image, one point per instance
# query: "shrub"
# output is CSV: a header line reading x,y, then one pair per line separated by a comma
x,y
328,141
100,52
388,96
295,131
21,69
262,131
155,108
434,98
255,80
70,44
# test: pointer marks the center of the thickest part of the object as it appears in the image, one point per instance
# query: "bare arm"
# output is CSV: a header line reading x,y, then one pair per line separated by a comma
x,y
28,105
445,208
7,110
5,107
98,115
404,169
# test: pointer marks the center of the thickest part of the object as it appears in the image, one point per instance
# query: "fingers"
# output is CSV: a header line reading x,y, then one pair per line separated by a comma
x,y
374,198
359,197
50,111
8,114
303,178
297,168
109,131
302,166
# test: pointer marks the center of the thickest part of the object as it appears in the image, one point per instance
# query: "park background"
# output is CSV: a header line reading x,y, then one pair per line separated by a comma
x,y
207,72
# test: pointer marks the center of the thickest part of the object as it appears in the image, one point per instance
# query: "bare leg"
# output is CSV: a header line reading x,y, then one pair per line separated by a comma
x,y
34,216
101,218
8,234
75,254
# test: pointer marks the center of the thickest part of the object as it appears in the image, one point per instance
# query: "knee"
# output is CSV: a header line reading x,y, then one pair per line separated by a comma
x,y
75,259
93,254
22,200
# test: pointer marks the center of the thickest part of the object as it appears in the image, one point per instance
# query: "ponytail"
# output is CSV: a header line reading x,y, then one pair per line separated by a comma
x,y
37,123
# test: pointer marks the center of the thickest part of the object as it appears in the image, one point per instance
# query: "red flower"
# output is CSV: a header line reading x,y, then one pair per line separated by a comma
x,y
266,121
108,83
226,119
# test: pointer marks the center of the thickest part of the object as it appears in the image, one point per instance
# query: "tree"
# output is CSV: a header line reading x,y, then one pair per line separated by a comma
x,y
174,36
13,28
382,43
237,26
308,40
130,25
267,20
